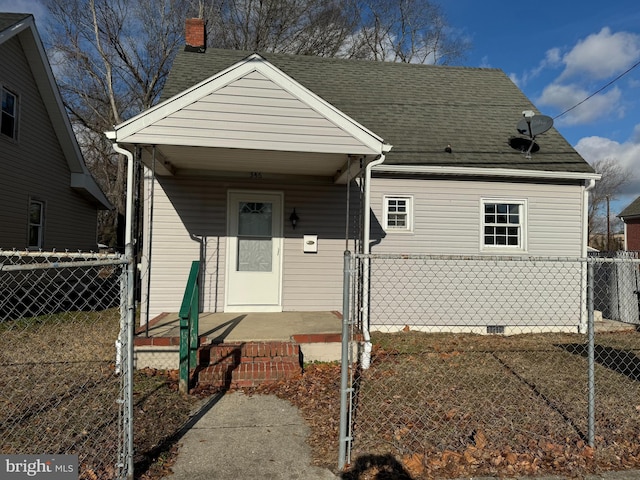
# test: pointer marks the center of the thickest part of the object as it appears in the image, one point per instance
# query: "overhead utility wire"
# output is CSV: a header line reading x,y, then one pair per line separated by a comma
x,y
599,90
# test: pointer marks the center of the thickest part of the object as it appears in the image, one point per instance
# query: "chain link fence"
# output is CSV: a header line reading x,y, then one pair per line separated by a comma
x,y
63,390
494,365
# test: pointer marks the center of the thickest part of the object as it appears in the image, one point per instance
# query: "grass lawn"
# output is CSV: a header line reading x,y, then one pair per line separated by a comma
x,y
430,406
454,405
59,392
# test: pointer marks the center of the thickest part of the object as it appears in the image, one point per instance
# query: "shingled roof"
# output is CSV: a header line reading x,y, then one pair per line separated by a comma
x,y
419,109
9,19
632,210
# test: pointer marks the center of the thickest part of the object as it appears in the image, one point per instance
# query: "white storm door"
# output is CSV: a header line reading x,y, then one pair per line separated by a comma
x,y
254,252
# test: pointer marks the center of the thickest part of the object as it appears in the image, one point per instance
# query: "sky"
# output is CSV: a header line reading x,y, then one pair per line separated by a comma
x,y
558,52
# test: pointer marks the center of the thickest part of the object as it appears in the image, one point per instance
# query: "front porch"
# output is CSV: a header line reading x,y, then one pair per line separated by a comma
x,y
318,334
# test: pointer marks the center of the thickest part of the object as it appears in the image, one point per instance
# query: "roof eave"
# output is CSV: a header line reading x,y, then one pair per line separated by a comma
x,y
486,172
27,32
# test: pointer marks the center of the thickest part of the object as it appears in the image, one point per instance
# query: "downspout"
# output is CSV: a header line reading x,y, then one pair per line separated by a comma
x,y
585,242
130,320
585,213
129,205
365,360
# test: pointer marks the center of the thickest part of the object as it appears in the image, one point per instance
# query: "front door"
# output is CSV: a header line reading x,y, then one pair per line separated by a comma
x,y
254,254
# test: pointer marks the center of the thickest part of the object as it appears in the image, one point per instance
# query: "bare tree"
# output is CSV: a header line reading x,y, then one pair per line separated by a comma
x,y
386,30
614,178
111,58
412,31
308,27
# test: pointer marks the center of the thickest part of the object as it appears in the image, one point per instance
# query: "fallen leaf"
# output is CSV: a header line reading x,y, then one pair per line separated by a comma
x,y
414,464
480,440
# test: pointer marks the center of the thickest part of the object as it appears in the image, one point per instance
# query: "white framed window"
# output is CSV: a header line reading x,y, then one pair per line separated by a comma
x,y
36,224
503,224
398,213
9,114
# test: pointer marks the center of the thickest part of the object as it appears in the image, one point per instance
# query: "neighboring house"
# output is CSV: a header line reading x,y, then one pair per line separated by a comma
x,y
631,218
259,165
48,198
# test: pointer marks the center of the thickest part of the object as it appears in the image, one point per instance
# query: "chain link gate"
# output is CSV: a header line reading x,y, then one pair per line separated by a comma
x,y
485,365
63,391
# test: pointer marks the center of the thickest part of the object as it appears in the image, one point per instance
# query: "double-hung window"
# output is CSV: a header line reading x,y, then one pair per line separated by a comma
x,y
9,114
503,224
398,213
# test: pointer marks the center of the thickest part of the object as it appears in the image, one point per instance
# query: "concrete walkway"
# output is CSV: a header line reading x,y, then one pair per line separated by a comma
x,y
237,436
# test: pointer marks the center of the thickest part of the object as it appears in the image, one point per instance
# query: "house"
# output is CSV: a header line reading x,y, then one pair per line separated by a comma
x,y
48,198
631,218
260,165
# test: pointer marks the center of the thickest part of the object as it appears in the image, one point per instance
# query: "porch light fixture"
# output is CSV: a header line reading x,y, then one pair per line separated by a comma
x,y
293,218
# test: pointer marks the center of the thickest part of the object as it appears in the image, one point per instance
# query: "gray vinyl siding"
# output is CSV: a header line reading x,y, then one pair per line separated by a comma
x,y
447,216
198,205
468,292
473,293
250,112
35,167
443,210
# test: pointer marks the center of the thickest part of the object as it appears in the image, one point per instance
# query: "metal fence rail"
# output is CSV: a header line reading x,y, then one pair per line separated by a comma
x,y
478,358
61,317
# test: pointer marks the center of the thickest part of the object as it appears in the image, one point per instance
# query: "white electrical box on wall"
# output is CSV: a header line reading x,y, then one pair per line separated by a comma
x,y
310,244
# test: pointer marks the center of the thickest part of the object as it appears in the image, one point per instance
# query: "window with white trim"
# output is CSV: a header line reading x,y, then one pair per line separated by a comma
x,y
503,224
398,213
9,113
36,224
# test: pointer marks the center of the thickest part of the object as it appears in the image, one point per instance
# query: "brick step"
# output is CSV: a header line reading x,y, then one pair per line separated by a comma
x,y
247,364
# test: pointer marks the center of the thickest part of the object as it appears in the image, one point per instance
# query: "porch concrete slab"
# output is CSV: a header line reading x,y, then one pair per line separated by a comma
x,y
236,327
247,437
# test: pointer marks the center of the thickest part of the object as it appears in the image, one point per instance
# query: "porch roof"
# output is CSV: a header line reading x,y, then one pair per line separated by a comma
x,y
249,117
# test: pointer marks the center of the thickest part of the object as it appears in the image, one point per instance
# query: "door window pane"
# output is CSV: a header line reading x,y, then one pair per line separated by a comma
x,y
255,245
254,219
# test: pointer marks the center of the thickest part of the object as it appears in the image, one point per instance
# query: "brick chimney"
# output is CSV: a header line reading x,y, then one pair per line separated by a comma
x,y
195,36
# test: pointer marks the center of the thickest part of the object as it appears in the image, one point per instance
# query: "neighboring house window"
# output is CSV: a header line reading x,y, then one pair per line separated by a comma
x,y
8,118
503,224
397,214
36,224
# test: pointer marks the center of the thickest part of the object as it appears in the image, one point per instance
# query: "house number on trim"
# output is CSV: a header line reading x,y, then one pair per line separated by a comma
x,y
256,175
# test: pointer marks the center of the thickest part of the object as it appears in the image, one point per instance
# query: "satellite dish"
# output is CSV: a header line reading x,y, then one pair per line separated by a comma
x,y
534,125
524,145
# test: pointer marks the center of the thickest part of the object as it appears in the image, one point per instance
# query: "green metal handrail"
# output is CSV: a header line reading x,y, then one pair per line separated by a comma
x,y
189,318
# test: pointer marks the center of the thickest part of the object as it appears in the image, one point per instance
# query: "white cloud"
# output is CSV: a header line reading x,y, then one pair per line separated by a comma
x,y
563,97
484,62
602,55
626,153
552,59
586,66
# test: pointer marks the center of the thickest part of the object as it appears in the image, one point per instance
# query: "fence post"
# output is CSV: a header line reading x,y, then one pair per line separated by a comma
x,y
130,323
344,369
591,356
